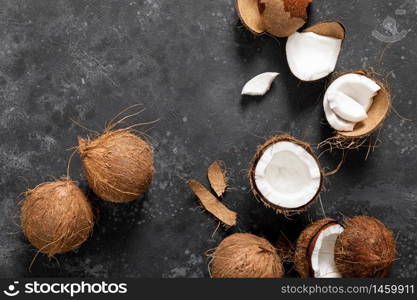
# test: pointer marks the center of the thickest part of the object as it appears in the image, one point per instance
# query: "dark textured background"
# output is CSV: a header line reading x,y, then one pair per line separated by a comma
x,y
187,61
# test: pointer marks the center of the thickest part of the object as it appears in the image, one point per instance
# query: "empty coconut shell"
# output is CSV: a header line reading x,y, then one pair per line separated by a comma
x,y
118,165
280,18
56,217
305,246
366,248
244,255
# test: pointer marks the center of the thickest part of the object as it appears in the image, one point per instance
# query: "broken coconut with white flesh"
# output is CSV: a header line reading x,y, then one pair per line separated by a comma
x,y
260,84
280,18
363,247
313,53
244,255
356,104
285,175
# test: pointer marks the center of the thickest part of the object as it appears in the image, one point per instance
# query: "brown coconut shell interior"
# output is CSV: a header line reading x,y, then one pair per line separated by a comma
x,y
244,255
365,249
328,28
258,155
377,114
280,18
217,178
250,14
305,246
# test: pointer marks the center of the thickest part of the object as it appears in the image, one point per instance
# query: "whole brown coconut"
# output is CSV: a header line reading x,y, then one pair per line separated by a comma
x,y
244,255
305,243
366,248
56,217
118,165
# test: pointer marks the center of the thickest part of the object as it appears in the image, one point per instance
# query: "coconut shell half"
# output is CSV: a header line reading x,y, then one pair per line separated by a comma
x,y
260,151
329,29
305,246
377,113
280,18
56,217
250,14
365,249
244,255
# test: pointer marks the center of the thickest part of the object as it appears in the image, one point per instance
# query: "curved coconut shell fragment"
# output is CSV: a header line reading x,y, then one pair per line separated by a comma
x,y
212,204
280,18
56,217
250,14
305,246
244,255
329,29
259,153
118,165
366,248
377,113
217,178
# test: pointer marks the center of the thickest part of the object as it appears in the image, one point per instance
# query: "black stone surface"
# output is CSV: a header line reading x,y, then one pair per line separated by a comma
x,y
187,61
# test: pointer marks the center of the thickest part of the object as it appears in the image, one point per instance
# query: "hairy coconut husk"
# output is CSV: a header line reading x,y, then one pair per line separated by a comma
x,y
377,114
366,248
217,178
280,18
260,151
56,217
244,255
328,28
305,246
118,165
212,204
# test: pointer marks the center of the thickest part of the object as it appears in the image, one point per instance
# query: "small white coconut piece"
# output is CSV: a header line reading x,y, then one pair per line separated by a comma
x,y
260,84
336,122
346,108
287,175
356,86
312,56
322,257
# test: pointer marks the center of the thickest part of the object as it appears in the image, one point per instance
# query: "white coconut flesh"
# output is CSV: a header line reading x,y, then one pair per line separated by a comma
x,y
260,84
287,175
341,113
322,257
312,56
346,108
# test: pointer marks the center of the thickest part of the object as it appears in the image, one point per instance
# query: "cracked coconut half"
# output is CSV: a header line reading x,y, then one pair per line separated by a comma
x,y
362,247
279,18
356,104
285,175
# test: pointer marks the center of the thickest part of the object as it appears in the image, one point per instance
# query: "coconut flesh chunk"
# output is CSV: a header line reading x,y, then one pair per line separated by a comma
x,y
287,175
335,122
312,56
322,257
259,85
346,108
358,87
352,86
